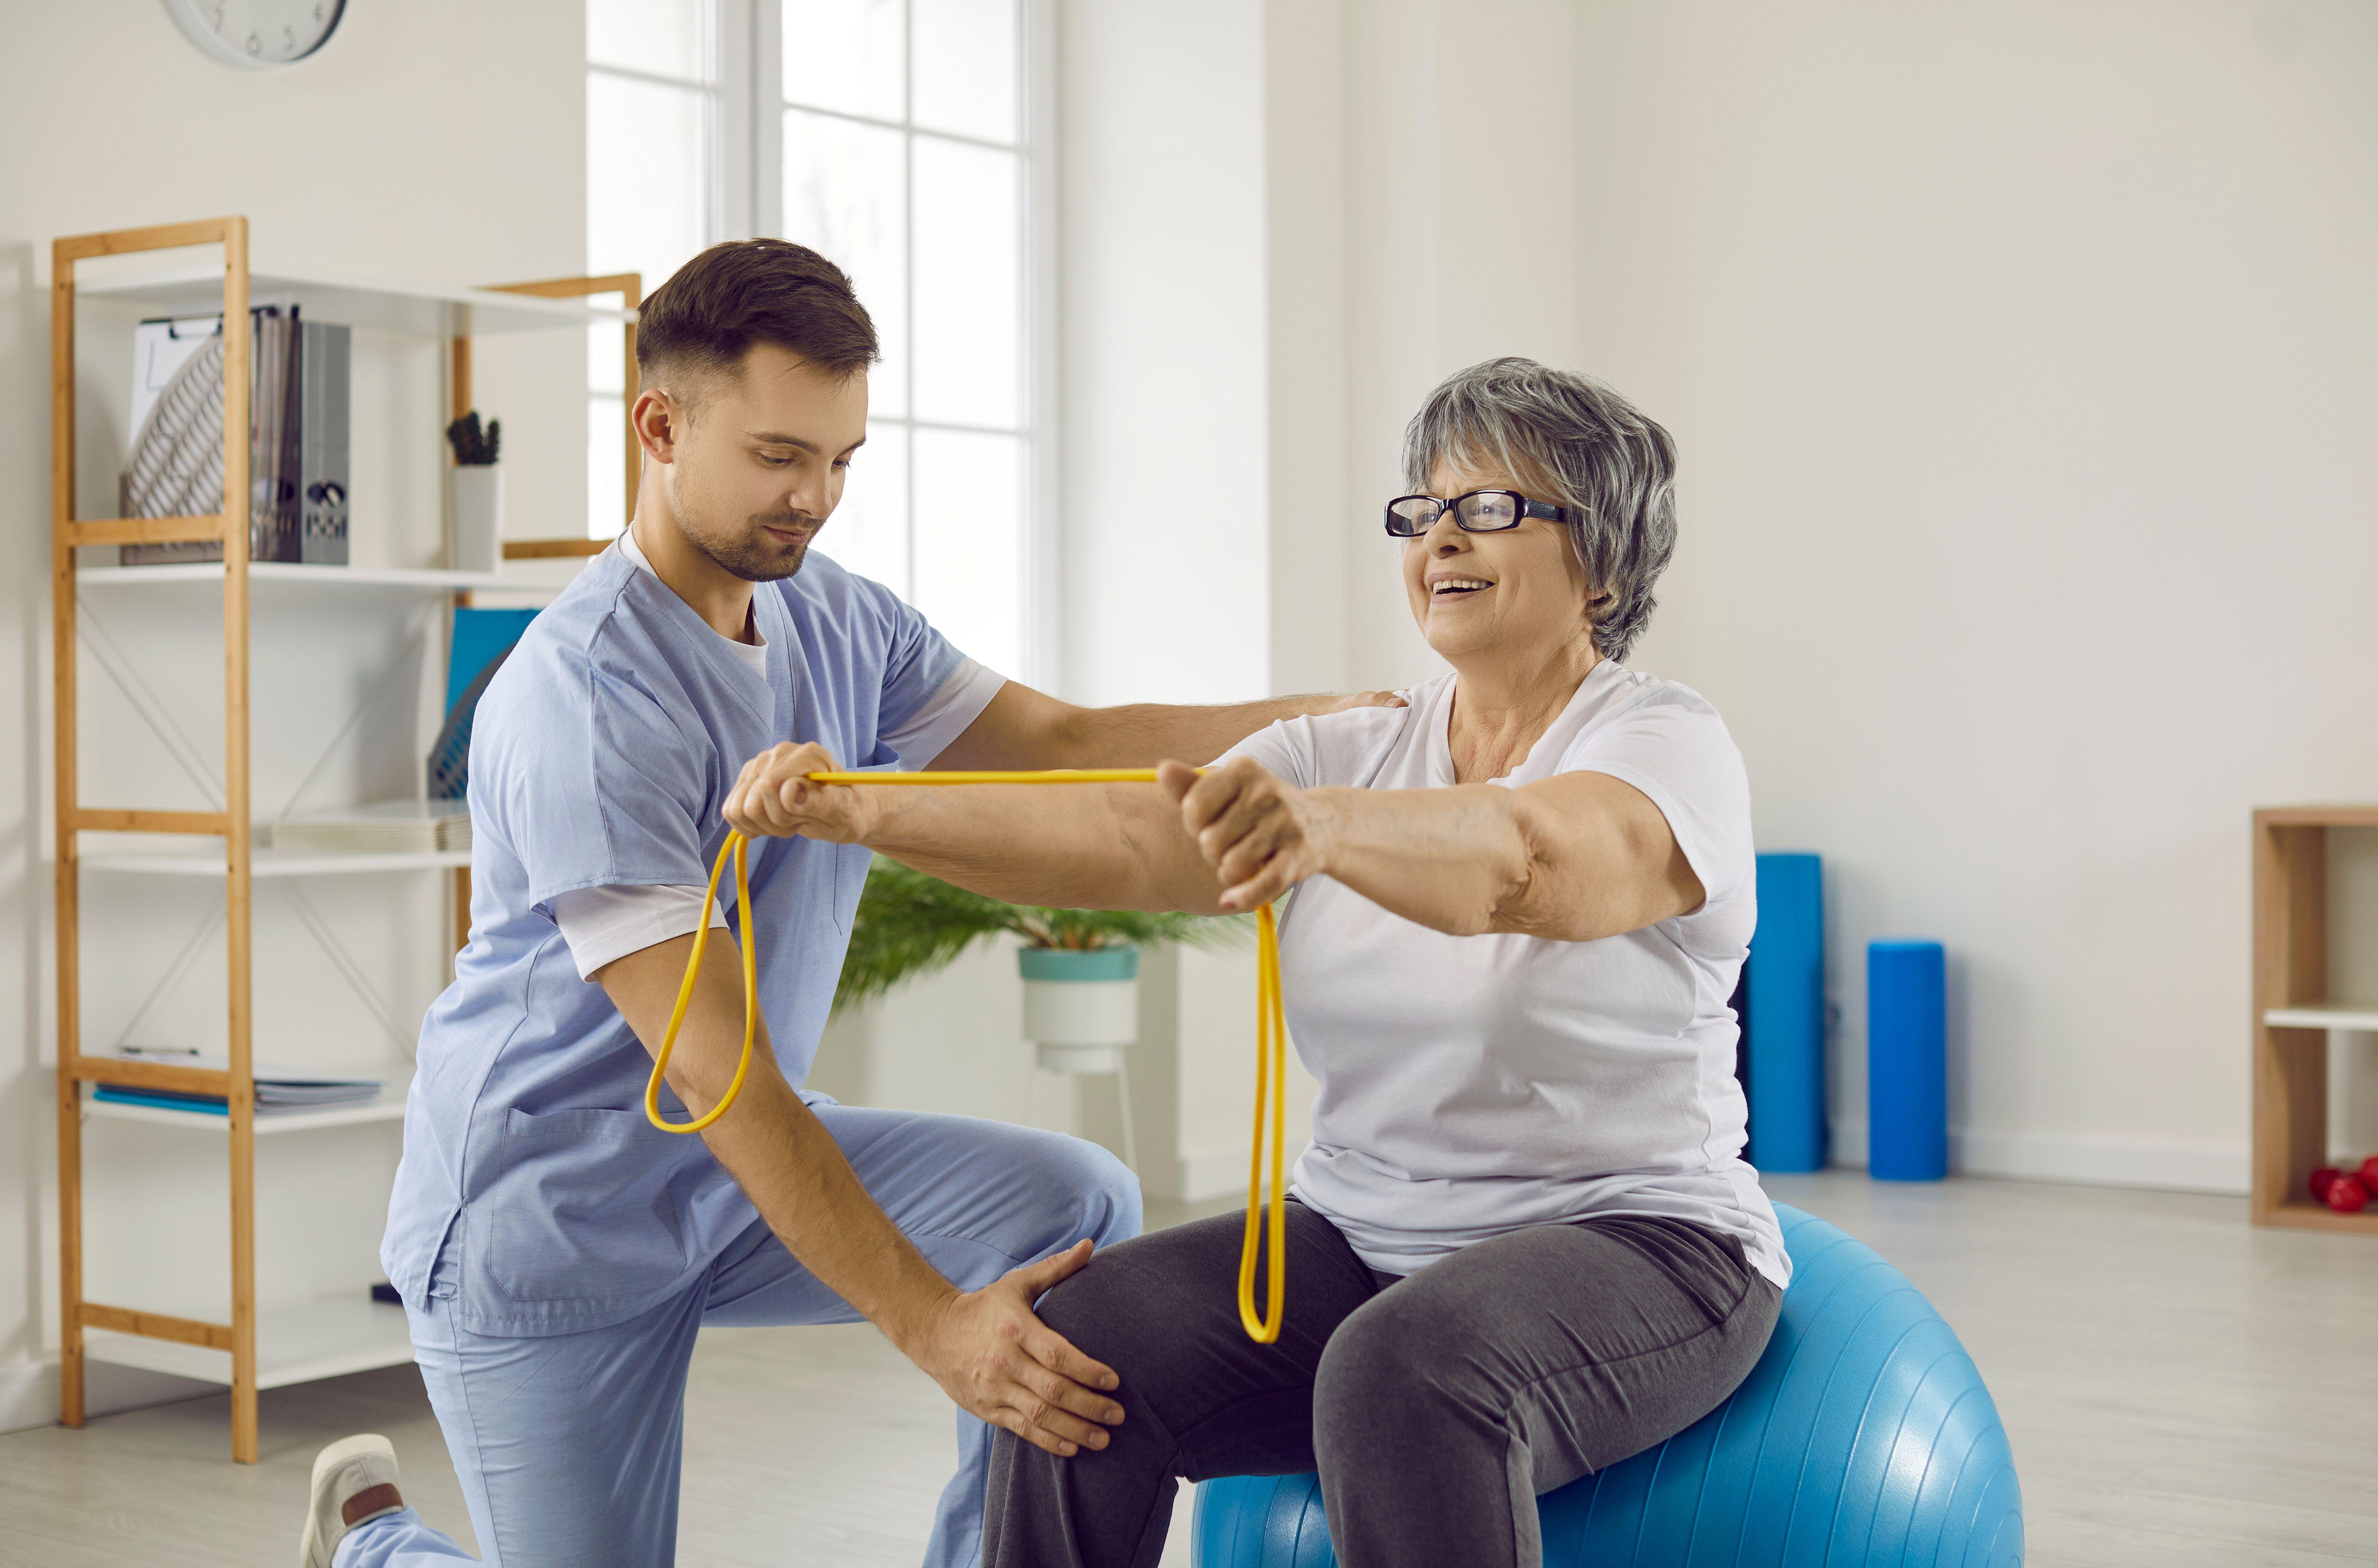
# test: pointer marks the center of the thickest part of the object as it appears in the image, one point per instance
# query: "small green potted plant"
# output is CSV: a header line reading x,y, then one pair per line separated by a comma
x,y
1080,966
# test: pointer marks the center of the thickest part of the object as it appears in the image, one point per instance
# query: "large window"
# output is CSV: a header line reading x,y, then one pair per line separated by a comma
x,y
892,136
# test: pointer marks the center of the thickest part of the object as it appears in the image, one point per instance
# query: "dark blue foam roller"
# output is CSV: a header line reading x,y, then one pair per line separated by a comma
x,y
1907,1061
1786,1027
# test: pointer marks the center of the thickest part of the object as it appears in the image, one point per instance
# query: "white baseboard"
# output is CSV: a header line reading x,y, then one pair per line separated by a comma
x,y
29,1391
2176,1164
2171,1164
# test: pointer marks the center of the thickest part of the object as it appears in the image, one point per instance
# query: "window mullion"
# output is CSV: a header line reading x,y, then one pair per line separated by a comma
x,y
908,266
767,122
1035,122
736,106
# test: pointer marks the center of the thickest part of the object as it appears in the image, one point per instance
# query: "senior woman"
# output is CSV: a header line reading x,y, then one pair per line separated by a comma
x,y
1524,1244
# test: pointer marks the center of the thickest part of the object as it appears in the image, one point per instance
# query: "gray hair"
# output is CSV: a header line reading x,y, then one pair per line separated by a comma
x,y
1613,471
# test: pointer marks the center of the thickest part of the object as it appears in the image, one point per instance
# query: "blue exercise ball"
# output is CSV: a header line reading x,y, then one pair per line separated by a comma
x,y
1863,1438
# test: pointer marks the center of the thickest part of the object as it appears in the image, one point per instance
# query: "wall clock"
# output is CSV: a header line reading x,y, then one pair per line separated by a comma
x,y
259,34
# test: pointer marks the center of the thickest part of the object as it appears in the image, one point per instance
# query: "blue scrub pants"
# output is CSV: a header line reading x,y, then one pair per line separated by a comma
x,y
568,1445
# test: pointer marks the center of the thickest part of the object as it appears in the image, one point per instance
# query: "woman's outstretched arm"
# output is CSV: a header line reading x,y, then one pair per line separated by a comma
x,y
1573,857
1072,845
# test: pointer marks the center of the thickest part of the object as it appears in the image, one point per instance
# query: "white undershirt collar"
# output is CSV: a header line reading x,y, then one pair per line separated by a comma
x,y
753,654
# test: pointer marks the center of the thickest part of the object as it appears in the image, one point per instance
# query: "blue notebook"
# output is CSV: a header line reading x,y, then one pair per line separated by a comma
x,y
163,1099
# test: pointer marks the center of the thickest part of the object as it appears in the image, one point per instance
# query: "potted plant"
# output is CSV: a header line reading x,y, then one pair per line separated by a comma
x,y
476,489
1080,966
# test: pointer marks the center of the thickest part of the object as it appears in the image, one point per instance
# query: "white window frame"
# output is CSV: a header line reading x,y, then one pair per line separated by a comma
x,y
744,197
721,179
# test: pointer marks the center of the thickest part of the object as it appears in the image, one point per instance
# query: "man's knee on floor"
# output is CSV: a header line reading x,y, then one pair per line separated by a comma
x,y
1108,1193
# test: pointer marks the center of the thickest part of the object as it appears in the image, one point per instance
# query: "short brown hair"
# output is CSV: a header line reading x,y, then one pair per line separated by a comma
x,y
718,305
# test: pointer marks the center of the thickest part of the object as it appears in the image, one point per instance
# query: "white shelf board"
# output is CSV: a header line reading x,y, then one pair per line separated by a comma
x,y
205,858
2349,1016
293,1344
379,304
387,1106
268,574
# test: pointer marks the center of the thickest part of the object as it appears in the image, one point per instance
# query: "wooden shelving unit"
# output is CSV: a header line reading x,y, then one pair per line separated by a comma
x,y
282,1342
2294,1014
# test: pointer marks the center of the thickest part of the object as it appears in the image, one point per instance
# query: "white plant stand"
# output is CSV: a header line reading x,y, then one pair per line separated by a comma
x,y
1081,1012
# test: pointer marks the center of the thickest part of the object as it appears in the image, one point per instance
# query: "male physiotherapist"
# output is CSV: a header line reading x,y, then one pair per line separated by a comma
x,y
557,1253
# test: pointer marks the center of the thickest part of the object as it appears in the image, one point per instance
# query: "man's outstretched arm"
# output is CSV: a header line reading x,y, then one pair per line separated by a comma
x,y
984,1347
1073,845
1024,728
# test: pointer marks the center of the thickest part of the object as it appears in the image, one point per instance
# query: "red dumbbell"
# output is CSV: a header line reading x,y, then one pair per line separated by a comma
x,y
2347,1195
2321,1181
2369,1173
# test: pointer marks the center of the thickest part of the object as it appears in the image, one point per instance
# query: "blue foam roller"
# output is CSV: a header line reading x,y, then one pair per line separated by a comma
x,y
1864,1438
1787,1016
1906,1061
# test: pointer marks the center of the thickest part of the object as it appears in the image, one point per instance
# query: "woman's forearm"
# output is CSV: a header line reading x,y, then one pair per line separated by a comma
x,y
1573,858
1451,859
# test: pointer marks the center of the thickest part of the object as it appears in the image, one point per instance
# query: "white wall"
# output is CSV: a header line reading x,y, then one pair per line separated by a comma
x,y
1164,441
1462,224
2021,359
1168,580
438,141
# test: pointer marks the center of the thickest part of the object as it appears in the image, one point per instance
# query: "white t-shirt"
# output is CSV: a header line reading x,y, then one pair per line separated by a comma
x,y
603,924
1471,1086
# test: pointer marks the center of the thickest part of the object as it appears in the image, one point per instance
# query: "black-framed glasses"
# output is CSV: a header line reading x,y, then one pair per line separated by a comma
x,y
1480,511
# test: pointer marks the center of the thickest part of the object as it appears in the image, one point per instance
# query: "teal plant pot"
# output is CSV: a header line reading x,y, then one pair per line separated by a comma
x,y
1080,1007
1078,966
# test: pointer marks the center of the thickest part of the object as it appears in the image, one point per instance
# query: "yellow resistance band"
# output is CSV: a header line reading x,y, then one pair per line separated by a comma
x,y
1271,1036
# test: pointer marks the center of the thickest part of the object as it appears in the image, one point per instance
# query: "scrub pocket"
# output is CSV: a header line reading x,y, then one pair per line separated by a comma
x,y
587,1207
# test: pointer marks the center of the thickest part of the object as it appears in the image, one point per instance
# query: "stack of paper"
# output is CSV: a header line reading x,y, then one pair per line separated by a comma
x,y
277,1088
387,827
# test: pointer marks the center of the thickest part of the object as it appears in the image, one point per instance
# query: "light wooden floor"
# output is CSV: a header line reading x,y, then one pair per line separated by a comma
x,y
2183,1392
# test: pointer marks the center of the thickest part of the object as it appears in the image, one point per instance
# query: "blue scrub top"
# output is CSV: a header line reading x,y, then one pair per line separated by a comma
x,y
600,756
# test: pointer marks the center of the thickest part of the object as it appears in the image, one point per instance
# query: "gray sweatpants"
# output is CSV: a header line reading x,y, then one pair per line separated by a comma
x,y
1436,1406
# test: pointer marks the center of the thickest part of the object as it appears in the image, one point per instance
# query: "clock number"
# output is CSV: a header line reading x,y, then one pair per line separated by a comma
x,y
228,30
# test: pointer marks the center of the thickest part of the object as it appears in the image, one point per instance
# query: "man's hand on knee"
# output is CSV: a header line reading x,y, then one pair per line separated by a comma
x,y
999,1361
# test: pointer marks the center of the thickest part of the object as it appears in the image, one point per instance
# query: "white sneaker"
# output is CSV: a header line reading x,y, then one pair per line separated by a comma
x,y
355,1480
